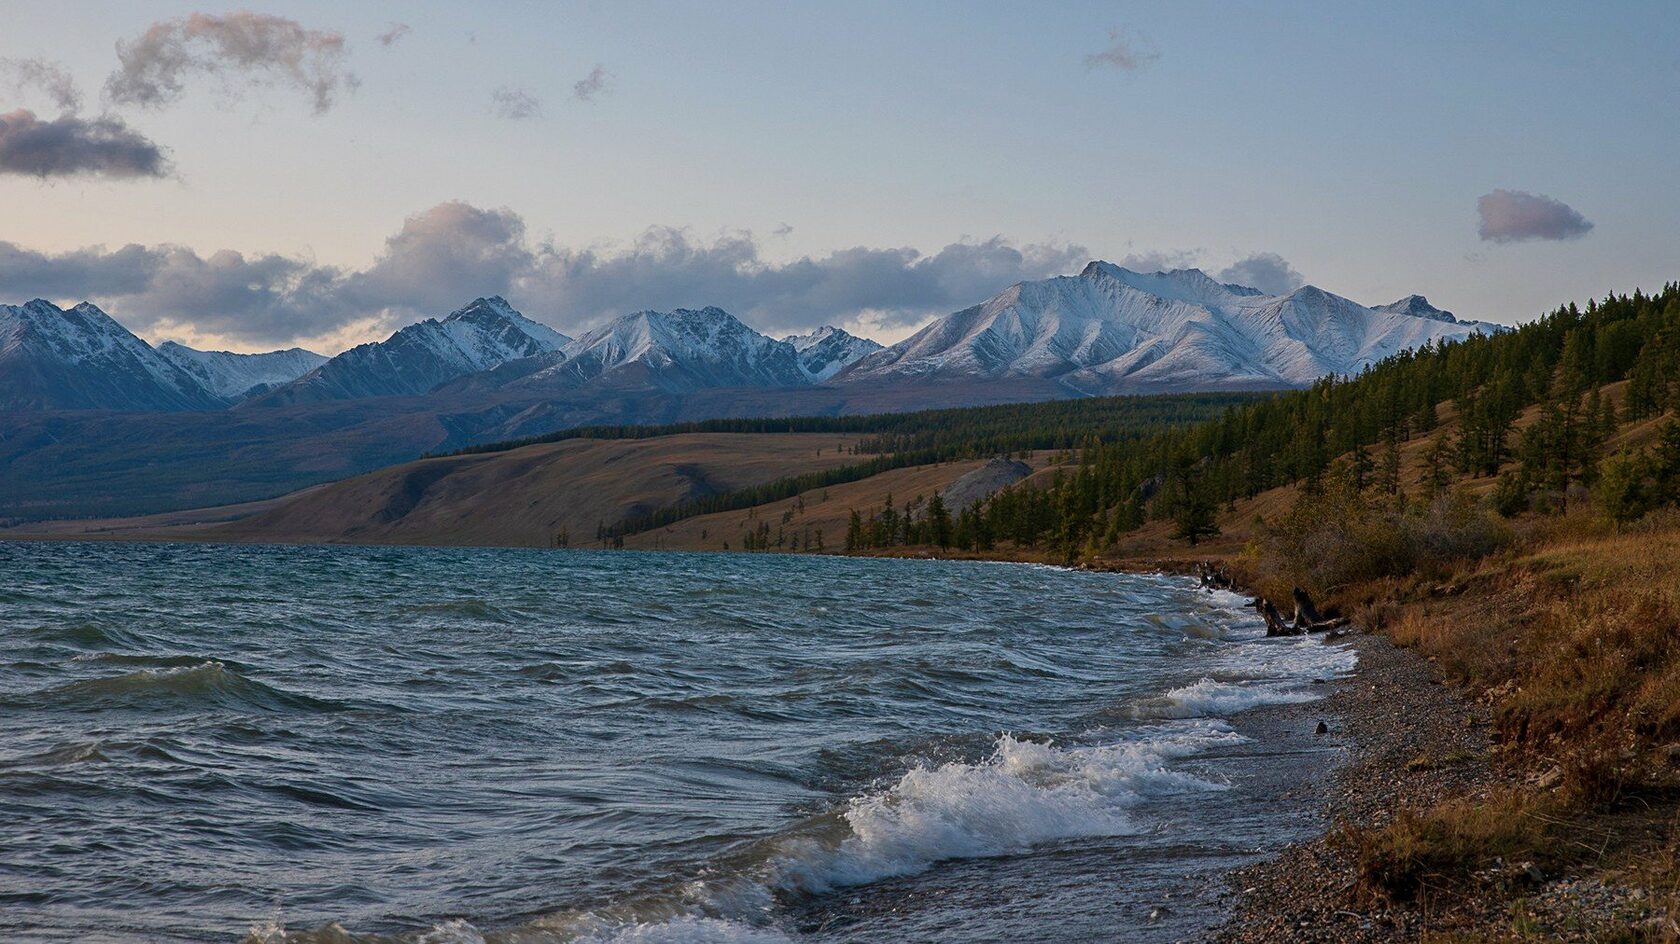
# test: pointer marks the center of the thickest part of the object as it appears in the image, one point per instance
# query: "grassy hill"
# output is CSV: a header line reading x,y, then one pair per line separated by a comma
x,y
606,485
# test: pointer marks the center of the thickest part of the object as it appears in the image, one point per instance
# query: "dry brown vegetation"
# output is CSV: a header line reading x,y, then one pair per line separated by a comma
x,y
1566,628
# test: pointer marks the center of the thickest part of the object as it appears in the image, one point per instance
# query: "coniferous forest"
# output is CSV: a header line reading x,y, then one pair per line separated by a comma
x,y
1558,362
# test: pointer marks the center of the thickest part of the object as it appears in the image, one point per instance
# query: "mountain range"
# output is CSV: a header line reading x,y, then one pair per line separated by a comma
x,y
235,377
91,413
1107,330
1110,330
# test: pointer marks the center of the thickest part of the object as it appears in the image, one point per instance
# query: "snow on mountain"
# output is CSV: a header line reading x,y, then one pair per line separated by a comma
x,y
236,376
417,358
676,351
81,359
1111,330
829,350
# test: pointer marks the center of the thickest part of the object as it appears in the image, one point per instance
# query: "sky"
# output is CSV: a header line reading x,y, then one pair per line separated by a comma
x,y
321,173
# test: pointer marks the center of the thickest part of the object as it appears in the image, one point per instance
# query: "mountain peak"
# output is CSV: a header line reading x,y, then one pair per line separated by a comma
x,y
1418,307
240,376
828,351
494,305
484,334
680,350
83,359
1191,284
1113,330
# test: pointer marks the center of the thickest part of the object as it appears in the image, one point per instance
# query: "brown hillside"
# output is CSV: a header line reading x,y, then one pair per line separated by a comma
x,y
820,509
528,496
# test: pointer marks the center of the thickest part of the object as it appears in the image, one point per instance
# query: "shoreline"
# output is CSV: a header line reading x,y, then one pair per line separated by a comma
x,y
1408,739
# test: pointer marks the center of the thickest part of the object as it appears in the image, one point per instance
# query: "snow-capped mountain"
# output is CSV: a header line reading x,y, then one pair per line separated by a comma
x,y
829,350
81,359
1418,307
676,351
1111,330
236,376
417,358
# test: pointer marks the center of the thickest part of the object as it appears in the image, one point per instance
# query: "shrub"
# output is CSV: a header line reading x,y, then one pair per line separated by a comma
x,y
1340,536
1440,847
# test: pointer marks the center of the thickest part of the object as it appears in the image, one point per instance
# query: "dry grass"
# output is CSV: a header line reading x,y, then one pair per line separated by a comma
x,y
1438,850
824,510
527,496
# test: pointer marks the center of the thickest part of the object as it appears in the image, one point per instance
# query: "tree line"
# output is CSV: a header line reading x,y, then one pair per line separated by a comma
x,y
1559,363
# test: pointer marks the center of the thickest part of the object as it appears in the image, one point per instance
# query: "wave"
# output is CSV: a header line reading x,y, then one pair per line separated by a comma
x,y
1209,698
90,635
1023,794
685,929
206,683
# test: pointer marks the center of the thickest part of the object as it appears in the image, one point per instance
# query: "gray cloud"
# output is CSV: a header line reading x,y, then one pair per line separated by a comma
x,y
49,77
396,32
70,146
887,288
1266,271
258,47
591,85
514,104
440,256
266,299
1124,52
446,255
1510,216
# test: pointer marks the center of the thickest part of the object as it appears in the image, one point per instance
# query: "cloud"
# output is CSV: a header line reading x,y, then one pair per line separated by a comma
x,y
442,258
1124,53
69,146
514,104
265,300
1510,216
591,85
889,289
446,255
396,32
1159,260
48,77
1266,271
258,47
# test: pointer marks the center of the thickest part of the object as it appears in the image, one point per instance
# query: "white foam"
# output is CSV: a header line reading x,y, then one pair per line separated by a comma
x,y
689,930
1301,658
1024,794
457,931
1209,698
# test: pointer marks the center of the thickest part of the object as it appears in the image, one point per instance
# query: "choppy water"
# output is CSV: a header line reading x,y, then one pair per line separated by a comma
x,y
205,743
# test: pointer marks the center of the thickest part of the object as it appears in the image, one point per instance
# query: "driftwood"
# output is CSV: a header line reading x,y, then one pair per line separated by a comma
x,y
1309,620
1275,623
1214,576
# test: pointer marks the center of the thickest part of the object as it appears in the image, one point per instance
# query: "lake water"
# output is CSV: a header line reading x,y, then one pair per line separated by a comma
x,y
214,743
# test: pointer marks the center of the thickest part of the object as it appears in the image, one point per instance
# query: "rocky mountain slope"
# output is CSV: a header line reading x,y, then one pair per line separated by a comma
x,y
237,376
829,350
82,359
483,335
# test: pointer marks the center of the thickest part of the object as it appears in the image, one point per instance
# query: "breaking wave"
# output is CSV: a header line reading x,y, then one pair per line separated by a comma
x,y
1209,698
